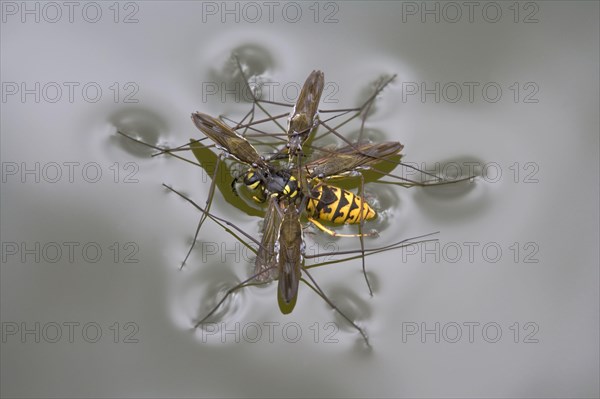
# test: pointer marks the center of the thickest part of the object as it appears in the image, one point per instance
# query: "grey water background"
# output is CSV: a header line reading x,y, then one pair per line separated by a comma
x,y
506,306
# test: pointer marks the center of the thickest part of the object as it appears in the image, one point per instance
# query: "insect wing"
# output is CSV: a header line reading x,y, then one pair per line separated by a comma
x,y
290,259
266,257
303,116
226,139
208,160
351,157
307,105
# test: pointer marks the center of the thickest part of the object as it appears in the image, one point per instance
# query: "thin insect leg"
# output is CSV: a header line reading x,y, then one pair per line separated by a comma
x,y
253,108
361,196
411,183
250,115
159,149
379,88
259,133
211,194
361,109
257,122
276,103
363,120
339,115
333,233
360,232
322,294
338,135
370,251
216,219
417,169
256,100
230,291
342,111
183,147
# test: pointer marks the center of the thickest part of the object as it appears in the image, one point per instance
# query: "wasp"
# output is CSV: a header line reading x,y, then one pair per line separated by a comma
x,y
262,175
281,256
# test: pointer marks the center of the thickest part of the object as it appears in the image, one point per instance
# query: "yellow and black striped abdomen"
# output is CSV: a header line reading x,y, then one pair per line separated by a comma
x,y
334,204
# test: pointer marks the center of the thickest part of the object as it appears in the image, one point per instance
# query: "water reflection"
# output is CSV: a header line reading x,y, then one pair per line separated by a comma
x,y
459,201
140,123
351,303
197,290
257,63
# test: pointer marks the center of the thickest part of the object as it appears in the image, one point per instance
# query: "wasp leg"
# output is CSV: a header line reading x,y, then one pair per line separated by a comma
x,y
335,234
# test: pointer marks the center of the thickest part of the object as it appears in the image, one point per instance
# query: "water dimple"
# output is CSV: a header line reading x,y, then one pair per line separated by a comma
x,y
197,291
462,200
351,304
140,123
384,200
368,134
368,90
255,59
212,296
256,63
454,171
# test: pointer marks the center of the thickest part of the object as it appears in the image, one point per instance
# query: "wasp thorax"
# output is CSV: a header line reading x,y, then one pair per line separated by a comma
x,y
252,179
291,187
